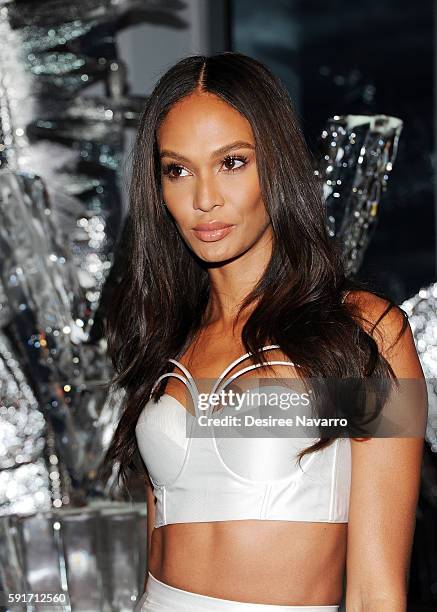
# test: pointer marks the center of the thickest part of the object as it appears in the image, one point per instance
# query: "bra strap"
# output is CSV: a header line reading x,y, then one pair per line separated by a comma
x,y
236,361
251,367
190,379
192,387
221,383
190,384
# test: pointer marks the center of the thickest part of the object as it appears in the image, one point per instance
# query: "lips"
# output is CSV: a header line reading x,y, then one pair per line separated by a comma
x,y
211,232
213,225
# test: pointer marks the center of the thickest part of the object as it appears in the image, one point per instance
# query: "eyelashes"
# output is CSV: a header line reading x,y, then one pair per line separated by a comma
x,y
171,167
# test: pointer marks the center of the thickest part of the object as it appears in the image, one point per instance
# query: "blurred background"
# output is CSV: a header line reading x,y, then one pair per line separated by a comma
x,y
73,81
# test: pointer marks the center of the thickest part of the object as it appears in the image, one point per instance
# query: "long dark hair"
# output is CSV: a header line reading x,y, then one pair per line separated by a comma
x,y
159,303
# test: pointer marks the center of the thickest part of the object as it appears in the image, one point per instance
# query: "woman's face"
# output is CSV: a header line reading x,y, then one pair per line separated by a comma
x,y
209,175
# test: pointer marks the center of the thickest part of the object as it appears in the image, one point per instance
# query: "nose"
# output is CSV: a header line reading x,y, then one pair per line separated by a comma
x,y
207,196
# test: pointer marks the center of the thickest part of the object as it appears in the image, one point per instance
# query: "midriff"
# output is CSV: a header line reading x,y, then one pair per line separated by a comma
x,y
253,561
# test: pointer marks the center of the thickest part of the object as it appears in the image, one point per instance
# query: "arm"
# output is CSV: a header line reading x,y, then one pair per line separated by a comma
x,y
384,488
150,501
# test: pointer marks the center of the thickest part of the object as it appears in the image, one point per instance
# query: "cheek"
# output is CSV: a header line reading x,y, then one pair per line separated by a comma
x,y
183,221
179,201
248,204
245,192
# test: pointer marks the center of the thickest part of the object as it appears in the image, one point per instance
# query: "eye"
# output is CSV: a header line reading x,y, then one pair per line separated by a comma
x,y
232,159
173,171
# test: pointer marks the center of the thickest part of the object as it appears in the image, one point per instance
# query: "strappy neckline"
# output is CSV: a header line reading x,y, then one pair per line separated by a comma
x,y
188,380
219,383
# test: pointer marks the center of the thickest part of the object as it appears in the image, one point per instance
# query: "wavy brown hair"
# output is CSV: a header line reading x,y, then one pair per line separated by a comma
x,y
159,303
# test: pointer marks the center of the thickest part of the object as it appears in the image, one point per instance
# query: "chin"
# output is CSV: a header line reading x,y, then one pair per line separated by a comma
x,y
219,256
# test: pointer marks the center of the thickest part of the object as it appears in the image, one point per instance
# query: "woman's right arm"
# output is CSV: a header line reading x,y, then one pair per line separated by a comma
x,y
150,501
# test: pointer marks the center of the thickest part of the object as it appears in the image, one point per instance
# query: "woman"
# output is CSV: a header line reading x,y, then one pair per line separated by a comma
x,y
229,263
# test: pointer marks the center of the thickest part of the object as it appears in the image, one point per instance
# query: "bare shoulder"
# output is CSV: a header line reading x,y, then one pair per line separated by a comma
x,y
389,326
375,308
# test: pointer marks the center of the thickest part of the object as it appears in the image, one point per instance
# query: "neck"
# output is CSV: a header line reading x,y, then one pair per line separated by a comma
x,y
233,280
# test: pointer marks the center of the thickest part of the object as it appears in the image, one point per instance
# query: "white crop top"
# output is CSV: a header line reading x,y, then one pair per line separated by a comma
x,y
202,479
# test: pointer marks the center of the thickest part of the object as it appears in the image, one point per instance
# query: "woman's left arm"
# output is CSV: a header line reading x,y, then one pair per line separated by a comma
x,y
384,487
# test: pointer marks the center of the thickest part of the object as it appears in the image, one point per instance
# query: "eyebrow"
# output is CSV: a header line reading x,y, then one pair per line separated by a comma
x,y
238,144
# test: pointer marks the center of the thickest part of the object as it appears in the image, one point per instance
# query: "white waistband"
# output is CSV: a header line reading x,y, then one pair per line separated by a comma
x,y
161,597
